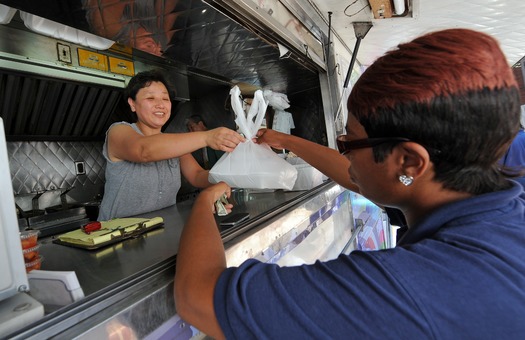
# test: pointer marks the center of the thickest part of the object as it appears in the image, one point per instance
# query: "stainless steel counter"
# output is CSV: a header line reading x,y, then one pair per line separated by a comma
x,y
98,269
129,285
134,272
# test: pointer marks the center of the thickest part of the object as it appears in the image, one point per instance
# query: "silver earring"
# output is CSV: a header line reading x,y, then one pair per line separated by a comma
x,y
406,180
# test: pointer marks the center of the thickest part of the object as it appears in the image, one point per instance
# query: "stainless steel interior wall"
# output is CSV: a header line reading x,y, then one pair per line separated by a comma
x,y
50,167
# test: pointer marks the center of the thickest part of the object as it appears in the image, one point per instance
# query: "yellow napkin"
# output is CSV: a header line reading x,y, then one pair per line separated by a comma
x,y
118,228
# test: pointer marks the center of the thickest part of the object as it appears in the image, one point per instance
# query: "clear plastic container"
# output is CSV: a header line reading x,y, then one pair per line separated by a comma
x,y
29,238
31,254
34,264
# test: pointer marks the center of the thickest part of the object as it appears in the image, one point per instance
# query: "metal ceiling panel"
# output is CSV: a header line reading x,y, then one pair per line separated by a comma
x,y
187,31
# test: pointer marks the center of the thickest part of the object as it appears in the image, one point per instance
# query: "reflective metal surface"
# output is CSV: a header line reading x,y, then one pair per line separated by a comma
x,y
124,275
45,99
129,286
188,31
99,269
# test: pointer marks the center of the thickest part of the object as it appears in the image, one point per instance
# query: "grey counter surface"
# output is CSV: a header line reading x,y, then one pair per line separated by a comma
x,y
130,284
99,269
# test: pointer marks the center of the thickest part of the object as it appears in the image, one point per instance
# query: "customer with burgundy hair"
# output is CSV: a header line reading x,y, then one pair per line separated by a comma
x,y
427,125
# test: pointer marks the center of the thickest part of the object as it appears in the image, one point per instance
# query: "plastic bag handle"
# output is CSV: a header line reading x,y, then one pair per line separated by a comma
x,y
257,110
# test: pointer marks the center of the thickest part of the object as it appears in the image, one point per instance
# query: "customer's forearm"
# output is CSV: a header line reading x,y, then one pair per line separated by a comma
x,y
324,159
200,261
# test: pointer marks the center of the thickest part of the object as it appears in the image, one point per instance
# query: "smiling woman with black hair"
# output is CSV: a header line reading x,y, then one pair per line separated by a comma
x,y
144,165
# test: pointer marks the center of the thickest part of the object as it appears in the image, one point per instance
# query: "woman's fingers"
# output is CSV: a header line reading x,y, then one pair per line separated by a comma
x,y
224,139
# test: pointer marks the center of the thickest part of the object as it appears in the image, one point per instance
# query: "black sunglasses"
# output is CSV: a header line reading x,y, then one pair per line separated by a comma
x,y
345,146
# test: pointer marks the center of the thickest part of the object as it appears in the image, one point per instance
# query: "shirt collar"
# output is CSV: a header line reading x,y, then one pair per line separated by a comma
x,y
476,208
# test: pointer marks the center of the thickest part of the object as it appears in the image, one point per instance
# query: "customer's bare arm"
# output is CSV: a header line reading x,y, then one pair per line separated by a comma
x,y
323,158
200,261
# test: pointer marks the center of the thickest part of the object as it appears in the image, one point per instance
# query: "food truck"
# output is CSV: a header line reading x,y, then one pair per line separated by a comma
x,y
63,68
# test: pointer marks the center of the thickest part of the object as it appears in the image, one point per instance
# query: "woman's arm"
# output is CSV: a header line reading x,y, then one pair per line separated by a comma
x,y
193,172
124,143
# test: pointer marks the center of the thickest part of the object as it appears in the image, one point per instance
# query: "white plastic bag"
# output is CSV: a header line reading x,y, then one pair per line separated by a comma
x,y
251,165
279,101
308,177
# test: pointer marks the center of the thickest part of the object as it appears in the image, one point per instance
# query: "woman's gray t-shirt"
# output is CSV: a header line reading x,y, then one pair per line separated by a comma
x,y
135,188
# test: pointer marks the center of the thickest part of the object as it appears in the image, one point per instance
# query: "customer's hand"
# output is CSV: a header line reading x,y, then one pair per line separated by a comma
x,y
273,138
211,194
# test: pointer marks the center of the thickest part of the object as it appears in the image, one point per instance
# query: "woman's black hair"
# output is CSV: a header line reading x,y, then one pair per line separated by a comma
x,y
144,79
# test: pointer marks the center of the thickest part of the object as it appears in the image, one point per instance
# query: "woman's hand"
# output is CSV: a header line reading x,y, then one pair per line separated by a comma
x,y
223,139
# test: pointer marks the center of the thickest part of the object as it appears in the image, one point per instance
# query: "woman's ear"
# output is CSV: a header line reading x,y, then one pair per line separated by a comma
x,y
131,103
414,159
